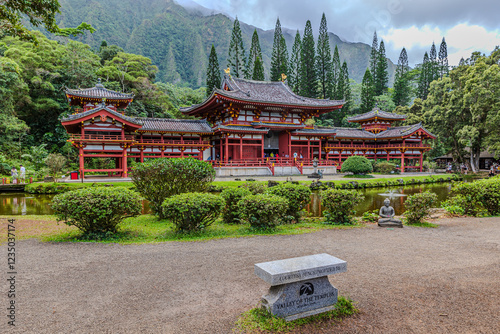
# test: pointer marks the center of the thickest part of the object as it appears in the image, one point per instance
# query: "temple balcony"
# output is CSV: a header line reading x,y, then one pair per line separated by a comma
x,y
159,142
101,138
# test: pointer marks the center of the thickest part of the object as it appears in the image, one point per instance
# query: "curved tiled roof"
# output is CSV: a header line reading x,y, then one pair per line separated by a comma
x,y
99,92
402,131
174,125
376,112
101,107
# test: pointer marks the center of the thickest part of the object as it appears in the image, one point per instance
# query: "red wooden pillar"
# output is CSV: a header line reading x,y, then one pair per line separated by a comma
x,y
421,160
308,148
402,162
319,158
81,162
124,164
262,147
142,153
226,149
241,147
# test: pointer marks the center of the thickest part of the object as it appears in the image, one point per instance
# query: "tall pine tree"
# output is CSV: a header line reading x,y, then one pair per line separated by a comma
x,y
381,74
374,55
433,64
294,71
401,93
367,93
258,70
324,62
255,52
279,57
443,59
423,80
335,74
347,90
308,78
213,72
236,59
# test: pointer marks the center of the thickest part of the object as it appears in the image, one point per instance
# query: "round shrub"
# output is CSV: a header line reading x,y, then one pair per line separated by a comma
x,y
192,211
298,197
231,213
385,167
263,211
158,179
96,210
339,205
254,187
357,165
418,206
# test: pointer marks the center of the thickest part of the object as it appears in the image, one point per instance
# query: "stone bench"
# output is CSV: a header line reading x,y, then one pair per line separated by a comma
x,y
300,286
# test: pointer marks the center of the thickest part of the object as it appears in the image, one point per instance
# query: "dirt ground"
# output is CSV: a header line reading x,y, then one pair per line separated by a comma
x,y
410,280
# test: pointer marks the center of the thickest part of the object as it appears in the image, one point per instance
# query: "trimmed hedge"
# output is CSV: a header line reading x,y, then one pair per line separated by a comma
x,y
263,211
96,210
357,165
159,179
418,206
192,211
231,213
298,197
339,205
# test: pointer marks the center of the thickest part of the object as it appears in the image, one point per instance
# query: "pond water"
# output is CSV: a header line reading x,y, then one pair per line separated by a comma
x,y
30,204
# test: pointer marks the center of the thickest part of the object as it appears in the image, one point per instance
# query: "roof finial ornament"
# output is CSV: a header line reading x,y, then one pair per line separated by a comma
x,y
228,71
283,77
99,84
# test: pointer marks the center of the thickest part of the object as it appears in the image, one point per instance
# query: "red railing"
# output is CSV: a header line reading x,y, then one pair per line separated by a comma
x,y
172,142
272,163
87,137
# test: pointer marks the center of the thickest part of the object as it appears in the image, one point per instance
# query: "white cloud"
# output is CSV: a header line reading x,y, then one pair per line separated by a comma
x,y
462,39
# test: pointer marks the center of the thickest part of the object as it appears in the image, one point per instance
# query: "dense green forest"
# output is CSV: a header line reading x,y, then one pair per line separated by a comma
x,y
179,40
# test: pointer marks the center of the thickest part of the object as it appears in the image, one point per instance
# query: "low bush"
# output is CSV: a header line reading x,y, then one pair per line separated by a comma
x,y
47,188
254,187
231,213
385,167
298,197
371,216
339,205
96,210
357,165
159,179
418,206
192,211
477,198
263,211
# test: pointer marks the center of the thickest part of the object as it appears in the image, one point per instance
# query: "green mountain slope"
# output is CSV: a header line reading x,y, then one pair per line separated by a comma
x,y
178,40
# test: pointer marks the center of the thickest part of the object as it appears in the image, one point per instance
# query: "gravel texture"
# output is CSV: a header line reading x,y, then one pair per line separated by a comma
x,y
410,280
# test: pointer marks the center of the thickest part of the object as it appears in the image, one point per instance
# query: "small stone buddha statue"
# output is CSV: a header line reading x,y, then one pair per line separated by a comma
x,y
387,216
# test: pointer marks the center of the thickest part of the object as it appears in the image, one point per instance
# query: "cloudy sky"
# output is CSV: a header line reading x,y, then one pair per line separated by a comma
x,y
414,24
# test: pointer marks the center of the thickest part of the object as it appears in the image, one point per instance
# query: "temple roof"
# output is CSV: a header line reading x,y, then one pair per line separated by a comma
x,y
236,129
174,125
98,108
376,113
402,131
264,92
98,92
354,133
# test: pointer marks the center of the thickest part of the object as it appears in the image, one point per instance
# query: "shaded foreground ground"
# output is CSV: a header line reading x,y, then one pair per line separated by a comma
x,y
410,280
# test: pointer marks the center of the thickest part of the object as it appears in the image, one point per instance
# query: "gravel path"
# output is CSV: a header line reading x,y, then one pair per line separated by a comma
x,y
410,280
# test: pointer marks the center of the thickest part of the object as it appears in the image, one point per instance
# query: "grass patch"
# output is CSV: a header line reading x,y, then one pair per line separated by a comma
x,y
424,224
148,229
258,320
360,176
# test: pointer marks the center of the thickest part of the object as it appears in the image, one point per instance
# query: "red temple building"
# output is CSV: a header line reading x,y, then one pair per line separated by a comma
x,y
245,128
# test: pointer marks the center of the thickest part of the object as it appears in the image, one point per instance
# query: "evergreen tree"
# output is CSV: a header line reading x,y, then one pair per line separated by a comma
x,y
381,74
347,90
213,72
236,59
258,70
284,56
324,62
308,78
374,55
294,72
443,59
401,93
279,57
423,80
367,93
255,52
433,64
335,74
